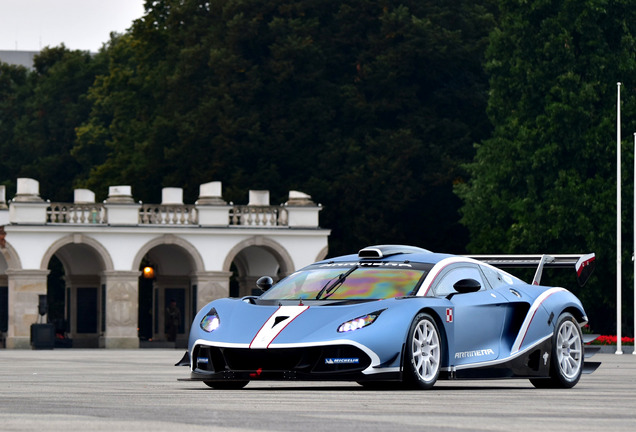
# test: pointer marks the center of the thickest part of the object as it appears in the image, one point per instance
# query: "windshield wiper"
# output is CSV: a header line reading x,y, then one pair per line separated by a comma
x,y
331,286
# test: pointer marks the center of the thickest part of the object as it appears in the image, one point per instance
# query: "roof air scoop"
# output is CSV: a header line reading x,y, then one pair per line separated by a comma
x,y
370,252
382,251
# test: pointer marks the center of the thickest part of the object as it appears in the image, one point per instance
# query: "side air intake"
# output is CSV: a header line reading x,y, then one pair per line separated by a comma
x,y
382,251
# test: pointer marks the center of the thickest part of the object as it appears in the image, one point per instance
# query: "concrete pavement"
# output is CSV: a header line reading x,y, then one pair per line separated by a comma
x,y
130,390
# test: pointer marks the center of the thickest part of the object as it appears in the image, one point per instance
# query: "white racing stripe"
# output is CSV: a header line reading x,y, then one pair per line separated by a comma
x,y
275,324
530,315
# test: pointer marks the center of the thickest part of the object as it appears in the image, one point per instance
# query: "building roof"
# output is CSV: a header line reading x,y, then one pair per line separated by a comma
x,y
18,58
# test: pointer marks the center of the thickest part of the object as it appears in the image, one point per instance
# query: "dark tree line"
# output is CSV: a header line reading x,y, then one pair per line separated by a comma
x,y
547,175
39,111
461,125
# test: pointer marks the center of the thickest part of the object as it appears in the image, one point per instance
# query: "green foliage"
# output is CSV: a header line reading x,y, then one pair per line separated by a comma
x,y
544,181
114,141
39,112
13,93
369,106
410,118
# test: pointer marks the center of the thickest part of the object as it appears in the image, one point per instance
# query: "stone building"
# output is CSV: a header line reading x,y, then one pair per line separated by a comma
x,y
191,253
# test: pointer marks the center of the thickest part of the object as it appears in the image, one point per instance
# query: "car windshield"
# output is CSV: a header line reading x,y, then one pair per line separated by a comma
x,y
347,283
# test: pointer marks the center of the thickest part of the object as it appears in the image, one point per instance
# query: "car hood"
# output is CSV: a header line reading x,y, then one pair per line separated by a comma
x,y
262,326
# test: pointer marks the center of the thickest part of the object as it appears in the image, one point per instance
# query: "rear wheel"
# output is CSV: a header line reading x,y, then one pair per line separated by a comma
x,y
566,363
226,385
423,353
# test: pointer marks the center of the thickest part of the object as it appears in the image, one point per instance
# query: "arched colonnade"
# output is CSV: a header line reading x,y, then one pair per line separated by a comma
x,y
92,272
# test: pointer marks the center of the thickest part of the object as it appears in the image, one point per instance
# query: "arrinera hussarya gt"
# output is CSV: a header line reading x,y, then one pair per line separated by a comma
x,y
397,314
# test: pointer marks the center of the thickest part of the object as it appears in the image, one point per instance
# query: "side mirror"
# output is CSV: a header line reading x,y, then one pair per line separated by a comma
x,y
465,286
264,283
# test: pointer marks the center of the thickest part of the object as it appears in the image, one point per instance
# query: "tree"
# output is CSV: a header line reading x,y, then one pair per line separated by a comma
x,y
40,111
543,181
115,140
14,90
368,106
415,103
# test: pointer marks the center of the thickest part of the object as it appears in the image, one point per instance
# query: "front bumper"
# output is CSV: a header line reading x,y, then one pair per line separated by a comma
x,y
316,363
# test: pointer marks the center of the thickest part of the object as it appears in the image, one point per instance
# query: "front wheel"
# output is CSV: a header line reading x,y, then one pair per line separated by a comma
x,y
566,364
423,353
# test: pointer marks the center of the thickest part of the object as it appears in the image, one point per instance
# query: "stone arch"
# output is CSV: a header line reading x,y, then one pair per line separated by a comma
x,y
196,261
240,263
102,253
81,298
322,254
280,253
178,266
11,257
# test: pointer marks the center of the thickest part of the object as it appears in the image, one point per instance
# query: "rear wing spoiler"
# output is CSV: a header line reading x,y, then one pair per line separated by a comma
x,y
583,263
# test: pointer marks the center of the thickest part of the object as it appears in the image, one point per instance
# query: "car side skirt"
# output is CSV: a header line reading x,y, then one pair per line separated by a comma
x,y
530,363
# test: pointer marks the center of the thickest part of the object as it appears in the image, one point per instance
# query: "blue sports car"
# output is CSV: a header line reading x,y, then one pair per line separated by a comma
x,y
397,314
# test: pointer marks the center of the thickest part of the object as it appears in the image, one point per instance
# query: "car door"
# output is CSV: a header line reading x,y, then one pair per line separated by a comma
x,y
477,318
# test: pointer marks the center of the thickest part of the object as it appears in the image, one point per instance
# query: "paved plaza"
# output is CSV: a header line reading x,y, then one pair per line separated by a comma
x,y
137,390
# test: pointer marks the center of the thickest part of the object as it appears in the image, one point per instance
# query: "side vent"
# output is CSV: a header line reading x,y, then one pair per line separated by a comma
x,y
382,251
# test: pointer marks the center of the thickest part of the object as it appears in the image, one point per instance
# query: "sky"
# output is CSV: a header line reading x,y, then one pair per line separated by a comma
x,y
30,25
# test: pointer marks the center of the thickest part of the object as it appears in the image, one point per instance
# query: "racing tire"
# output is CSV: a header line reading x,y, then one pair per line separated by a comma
x,y
566,363
423,353
226,385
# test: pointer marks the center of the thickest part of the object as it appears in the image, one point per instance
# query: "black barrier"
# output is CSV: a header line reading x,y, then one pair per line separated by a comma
x,y
42,336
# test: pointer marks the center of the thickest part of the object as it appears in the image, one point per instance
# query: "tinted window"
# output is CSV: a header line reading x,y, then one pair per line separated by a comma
x,y
497,278
361,283
445,284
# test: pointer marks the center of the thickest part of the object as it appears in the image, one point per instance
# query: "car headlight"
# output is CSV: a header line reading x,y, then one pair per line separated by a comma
x,y
210,321
360,322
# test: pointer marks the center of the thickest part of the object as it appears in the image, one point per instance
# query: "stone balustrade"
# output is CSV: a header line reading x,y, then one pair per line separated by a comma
x,y
258,216
158,214
171,214
120,209
69,213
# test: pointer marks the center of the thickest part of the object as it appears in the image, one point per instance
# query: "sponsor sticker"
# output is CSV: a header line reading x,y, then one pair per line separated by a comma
x,y
367,264
474,353
335,361
449,315
202,360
